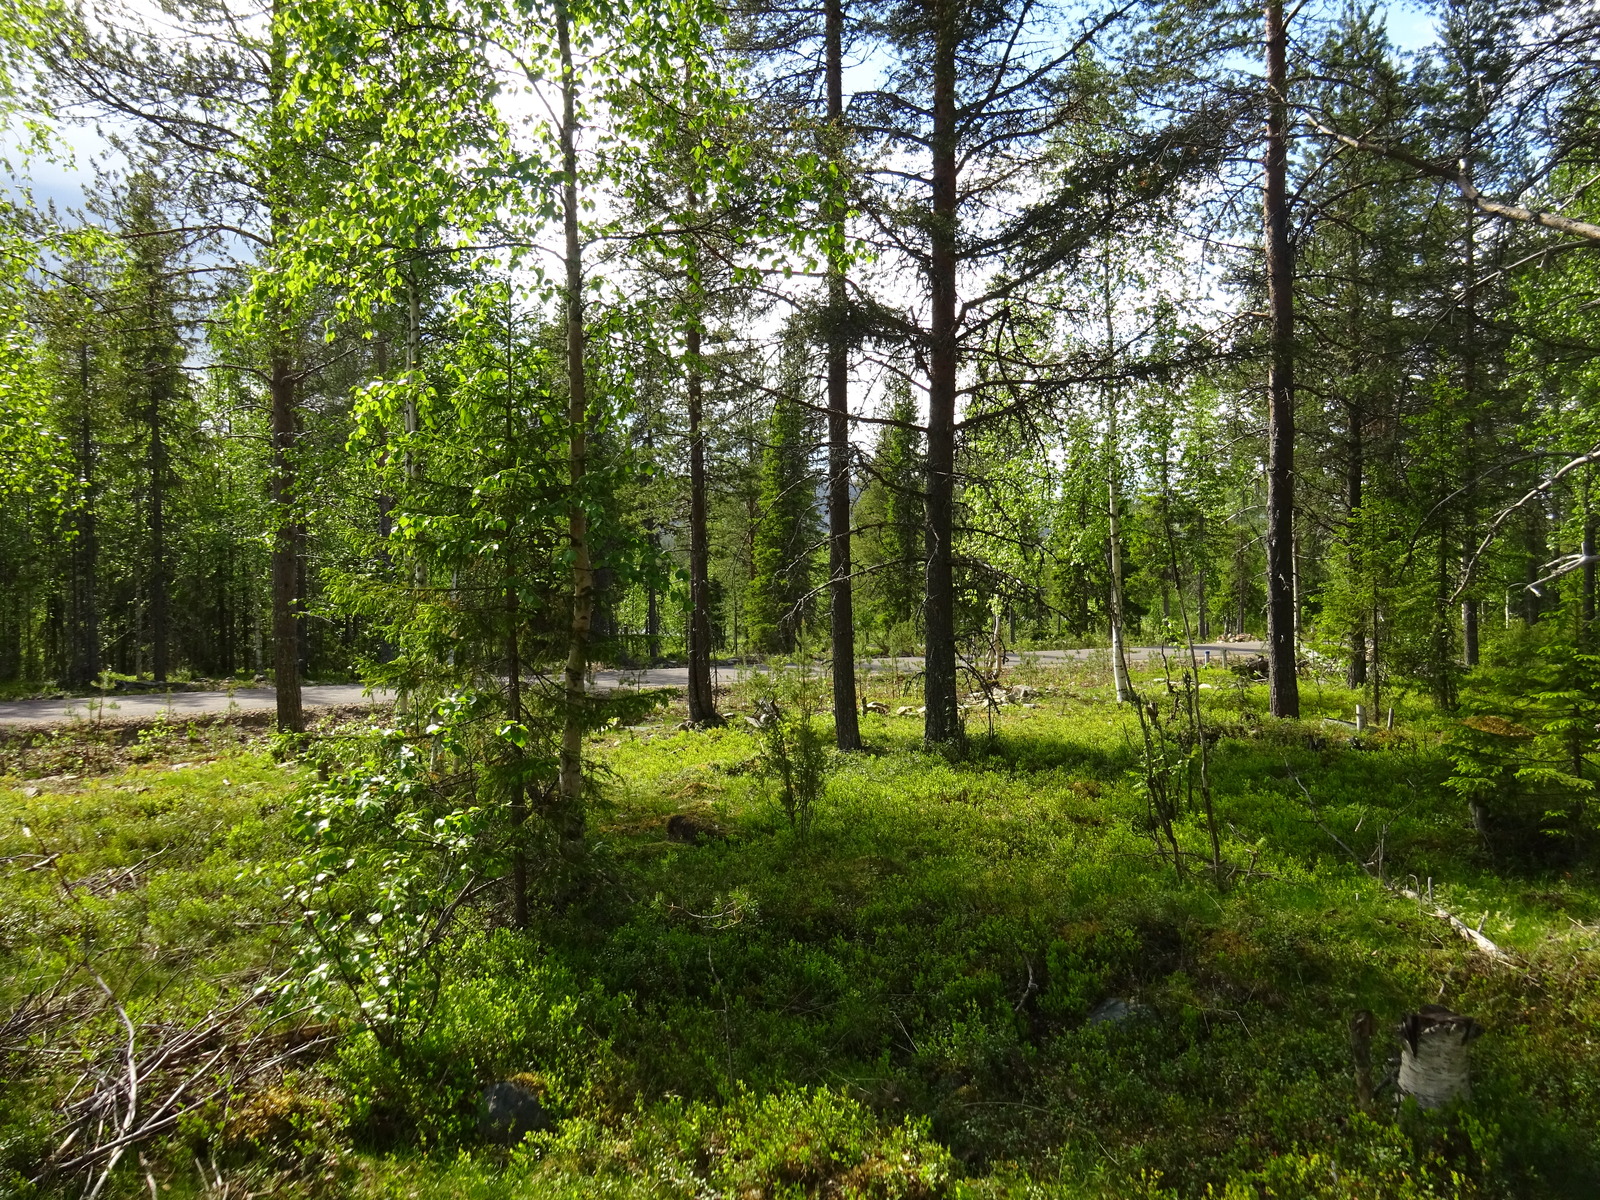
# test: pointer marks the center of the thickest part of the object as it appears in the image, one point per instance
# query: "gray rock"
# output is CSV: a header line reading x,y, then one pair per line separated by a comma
x,y
509,1111
1114,1010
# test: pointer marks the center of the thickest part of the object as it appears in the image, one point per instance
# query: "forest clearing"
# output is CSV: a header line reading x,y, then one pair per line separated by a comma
x,y
884,599
971,977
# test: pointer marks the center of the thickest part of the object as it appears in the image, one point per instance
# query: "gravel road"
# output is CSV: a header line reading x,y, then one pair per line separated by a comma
x,y
181,705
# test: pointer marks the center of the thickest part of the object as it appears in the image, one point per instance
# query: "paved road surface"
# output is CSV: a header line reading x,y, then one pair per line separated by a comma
x,y
182,705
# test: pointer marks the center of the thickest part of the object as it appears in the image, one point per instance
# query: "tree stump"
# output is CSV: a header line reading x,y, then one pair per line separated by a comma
x,y
1434,1064
1362,1026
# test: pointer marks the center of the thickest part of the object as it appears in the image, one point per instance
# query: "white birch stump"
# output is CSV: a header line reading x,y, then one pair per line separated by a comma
x,y
1434,1064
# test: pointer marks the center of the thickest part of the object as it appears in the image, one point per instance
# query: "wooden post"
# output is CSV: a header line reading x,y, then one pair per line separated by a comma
x,y
1361,718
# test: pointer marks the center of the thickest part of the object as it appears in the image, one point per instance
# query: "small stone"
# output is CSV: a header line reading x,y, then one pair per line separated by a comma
x,y
510,1110
1114,1010
693,829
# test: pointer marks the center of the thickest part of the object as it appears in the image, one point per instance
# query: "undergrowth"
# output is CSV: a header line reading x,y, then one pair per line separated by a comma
x,y
975,977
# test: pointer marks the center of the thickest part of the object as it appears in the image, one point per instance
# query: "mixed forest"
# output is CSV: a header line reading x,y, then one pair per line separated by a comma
x,y
1116,481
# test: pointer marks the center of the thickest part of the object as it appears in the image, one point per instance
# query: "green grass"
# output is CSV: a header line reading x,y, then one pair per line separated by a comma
x,y
899,1005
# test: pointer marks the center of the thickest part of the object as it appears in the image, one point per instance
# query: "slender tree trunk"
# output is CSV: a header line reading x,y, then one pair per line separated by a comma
x,y
702,704
943,722
1284,685
285,551
652,606
519,798
1119,650
1355,471
1588,574
575,714
302,581
282,385
86,546
1469,372
156,466
385,501
222,661
160,633
846,728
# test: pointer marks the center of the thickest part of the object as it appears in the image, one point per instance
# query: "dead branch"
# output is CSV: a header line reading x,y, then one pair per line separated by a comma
x,y
192,1063
1458,177
1475,936
1533,493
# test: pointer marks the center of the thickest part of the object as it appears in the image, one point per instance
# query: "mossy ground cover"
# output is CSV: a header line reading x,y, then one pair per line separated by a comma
x,y
902,1004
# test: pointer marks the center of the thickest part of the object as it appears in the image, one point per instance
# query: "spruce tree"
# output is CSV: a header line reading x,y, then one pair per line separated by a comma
x,y
889,517
787,532
154,391
73,356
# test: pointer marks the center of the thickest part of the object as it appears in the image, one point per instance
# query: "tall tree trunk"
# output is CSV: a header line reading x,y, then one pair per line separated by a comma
x,y
1119,650
519,798
85,668
575,714
652,605
386,502
1284,686
846,728
285,551
282,385
1355,472
943,722
302,580
160,633
156,465
1469,376
1588,573
702,704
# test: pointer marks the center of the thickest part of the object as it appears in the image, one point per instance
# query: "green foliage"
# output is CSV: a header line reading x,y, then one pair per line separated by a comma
x,y
394,847
915,1006
786,534
794,750
889,516
1522,756
503,1011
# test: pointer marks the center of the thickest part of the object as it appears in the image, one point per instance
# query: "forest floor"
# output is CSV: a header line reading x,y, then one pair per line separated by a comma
x,y
974,978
